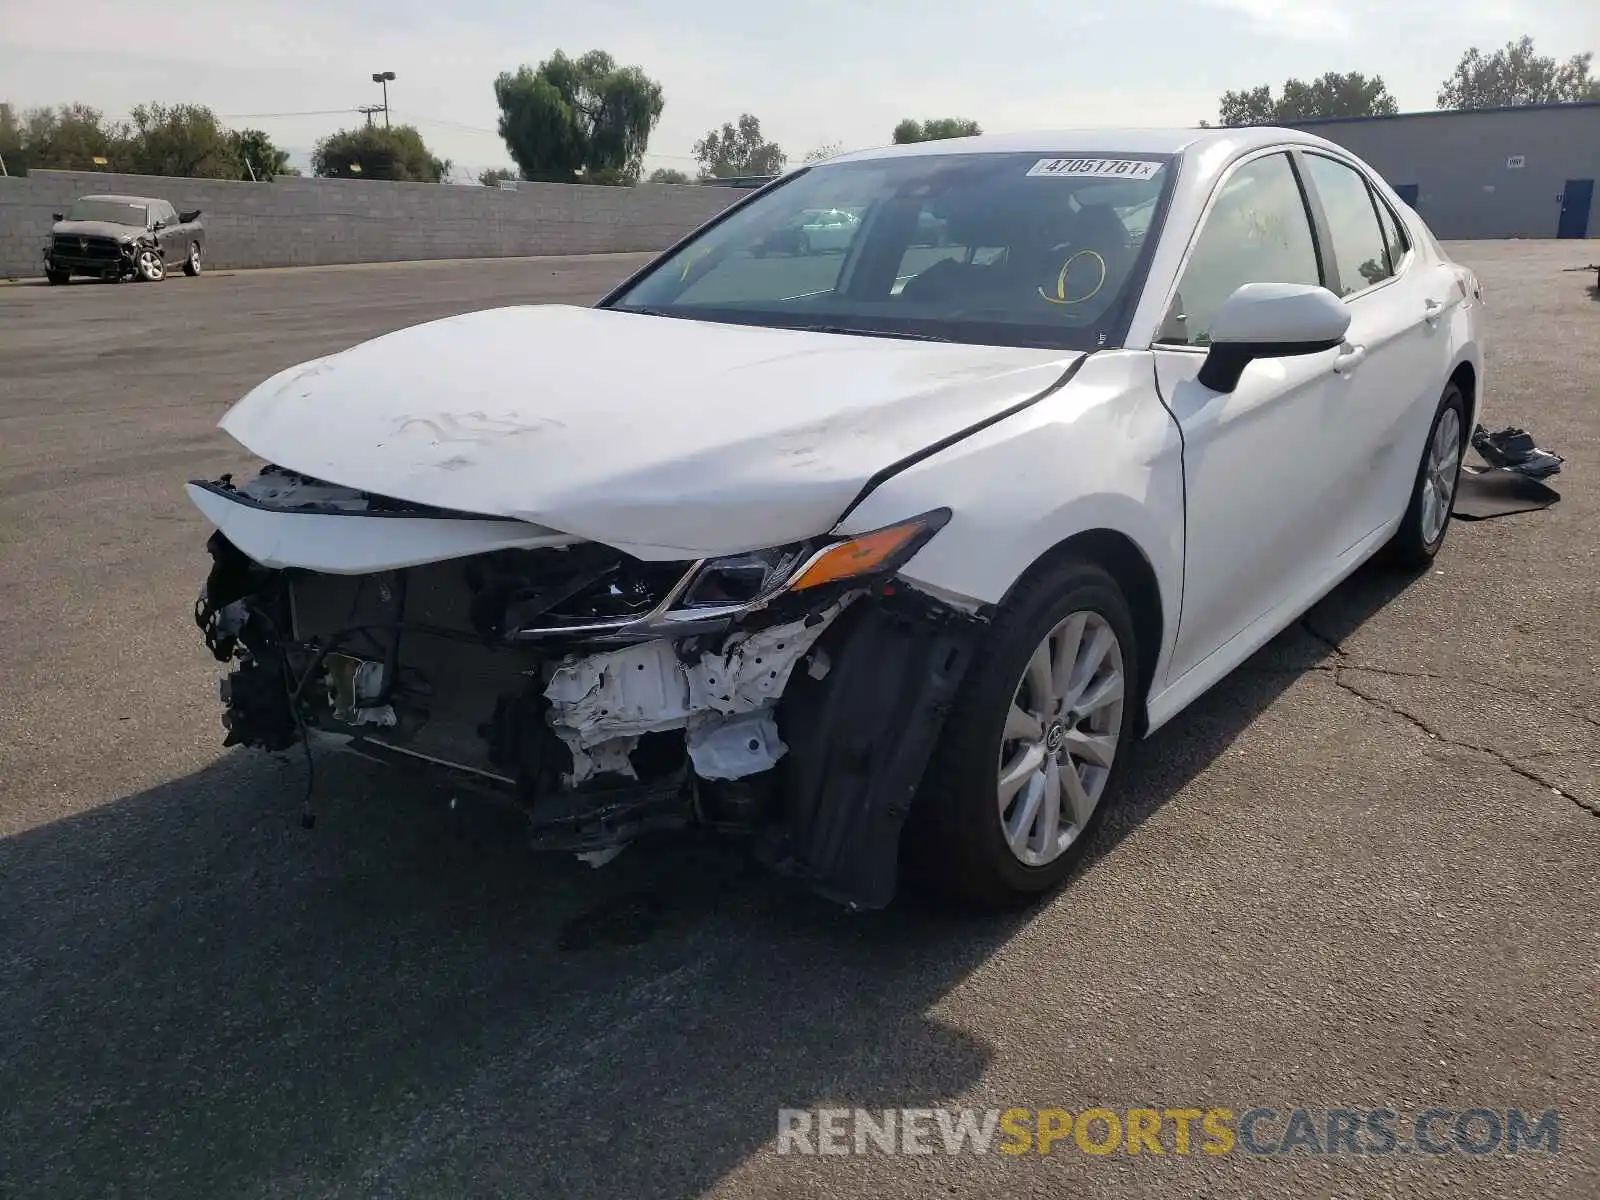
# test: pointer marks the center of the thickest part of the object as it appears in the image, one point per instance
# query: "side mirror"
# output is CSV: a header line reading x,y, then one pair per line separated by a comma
x,y
192,215
1271,320
58,216
158,223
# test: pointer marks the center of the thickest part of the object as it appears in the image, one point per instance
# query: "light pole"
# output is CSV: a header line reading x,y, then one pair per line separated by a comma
x,y
384,77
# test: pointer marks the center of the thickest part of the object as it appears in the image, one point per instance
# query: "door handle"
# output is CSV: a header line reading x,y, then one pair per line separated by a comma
x,y
1349,359
1432,310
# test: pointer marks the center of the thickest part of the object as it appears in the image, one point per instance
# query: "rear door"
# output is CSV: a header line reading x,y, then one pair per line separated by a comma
x,y
1260,463
1397,301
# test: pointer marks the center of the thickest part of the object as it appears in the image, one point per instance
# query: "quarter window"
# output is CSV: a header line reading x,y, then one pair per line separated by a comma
x,y
1394,235
1258,231
1359,247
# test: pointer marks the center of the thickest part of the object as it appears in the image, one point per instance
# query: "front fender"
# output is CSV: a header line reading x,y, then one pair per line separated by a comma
x,y
1102,453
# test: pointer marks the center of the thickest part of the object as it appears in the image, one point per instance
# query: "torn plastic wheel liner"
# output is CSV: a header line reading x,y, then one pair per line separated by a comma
x,y
1513,449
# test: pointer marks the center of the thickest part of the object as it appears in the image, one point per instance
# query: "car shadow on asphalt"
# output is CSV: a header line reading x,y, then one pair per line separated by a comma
x,y
203,999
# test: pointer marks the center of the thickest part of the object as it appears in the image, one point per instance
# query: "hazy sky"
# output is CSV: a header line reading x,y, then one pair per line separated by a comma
x,y
813,73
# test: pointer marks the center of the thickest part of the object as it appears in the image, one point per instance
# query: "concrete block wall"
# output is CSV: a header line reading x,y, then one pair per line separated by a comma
x,y
312,222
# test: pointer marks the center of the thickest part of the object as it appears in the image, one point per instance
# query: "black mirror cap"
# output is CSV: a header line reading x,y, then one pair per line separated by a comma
x,y
1226,361
192,215
58,216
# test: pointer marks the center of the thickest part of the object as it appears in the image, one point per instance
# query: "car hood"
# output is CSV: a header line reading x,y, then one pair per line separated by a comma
x,y
108,229
663,437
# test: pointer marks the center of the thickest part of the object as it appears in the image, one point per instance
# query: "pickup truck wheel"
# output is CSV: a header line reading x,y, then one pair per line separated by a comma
x,y
148,267
57,277
191,265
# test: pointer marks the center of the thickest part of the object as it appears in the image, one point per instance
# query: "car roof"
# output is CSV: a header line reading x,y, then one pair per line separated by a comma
x,y
1097,141
125,199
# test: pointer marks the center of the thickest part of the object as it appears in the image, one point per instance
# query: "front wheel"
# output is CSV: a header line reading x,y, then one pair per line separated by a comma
x,y
148,267
191,265
55,277
1033,744
1433,493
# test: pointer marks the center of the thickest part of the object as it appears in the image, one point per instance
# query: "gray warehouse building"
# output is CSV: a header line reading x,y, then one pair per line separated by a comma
x,y
1525,172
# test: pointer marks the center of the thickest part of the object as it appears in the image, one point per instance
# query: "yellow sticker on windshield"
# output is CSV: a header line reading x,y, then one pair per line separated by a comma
x,y
1061,296
690,260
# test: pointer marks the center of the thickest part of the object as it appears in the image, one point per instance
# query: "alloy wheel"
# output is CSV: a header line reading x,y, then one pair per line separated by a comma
x,y
1439,475
1060,738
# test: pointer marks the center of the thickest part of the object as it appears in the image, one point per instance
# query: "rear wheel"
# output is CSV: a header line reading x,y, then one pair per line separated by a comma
x,y
1033,745
1427,520
191,265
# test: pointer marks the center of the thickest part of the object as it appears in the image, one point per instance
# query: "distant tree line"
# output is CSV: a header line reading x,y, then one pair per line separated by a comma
x,y
157,139
589,120
1511,76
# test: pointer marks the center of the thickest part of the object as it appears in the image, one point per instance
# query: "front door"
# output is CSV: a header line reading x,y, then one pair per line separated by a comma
x,y
1576,199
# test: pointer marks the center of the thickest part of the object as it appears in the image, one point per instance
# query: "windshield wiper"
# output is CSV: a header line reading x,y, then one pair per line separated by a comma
x,y
878,333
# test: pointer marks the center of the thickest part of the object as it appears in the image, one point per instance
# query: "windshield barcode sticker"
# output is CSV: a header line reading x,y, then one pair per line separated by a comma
x,y
1096,168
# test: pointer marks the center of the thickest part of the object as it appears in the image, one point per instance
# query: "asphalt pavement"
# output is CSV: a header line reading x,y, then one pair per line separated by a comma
x,y
1360,873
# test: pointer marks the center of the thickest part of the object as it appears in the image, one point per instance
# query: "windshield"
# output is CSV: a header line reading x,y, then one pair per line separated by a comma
x,y
1003,249
114,212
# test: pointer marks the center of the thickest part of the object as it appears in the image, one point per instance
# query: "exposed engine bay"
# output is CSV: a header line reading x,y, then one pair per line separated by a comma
x,y
606,695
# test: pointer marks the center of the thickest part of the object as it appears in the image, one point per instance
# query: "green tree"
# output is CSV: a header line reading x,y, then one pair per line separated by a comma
x,y
824,152
1514,75
375,152
495,176
67,137
255,155
1334,94
668,175
935,130
732,152
578,120
180,140
11,140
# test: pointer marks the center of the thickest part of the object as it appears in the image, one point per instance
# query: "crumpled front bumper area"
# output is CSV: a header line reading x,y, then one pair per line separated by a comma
x,y
535,674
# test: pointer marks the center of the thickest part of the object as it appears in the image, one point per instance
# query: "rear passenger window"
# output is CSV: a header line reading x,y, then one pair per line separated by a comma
x,y
1359,248
1258,231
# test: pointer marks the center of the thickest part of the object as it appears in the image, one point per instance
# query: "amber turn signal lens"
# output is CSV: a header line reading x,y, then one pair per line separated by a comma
x,y
859,556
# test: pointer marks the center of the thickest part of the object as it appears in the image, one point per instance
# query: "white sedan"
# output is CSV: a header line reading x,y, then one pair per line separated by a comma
x,y
899,551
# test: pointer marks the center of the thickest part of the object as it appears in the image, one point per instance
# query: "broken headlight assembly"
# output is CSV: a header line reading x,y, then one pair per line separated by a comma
x,y
714,592
741,582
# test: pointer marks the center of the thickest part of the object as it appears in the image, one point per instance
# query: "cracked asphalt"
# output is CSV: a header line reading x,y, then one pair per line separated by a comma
x,y
1360,873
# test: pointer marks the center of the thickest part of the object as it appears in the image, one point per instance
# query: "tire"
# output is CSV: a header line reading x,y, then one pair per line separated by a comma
x,y
56,278
957,838
148,267
1422,531
191,265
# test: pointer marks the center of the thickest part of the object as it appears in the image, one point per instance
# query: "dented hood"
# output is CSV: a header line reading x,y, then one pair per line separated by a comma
x,y
663,437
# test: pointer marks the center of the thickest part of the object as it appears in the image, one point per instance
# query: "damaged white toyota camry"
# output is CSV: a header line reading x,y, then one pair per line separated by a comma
x,y
886,554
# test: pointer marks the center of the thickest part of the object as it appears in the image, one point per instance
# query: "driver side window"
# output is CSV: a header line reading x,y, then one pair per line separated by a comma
x,y
1258,231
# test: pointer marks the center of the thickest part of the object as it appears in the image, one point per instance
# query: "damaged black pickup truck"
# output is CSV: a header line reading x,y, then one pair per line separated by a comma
x,y
123,237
